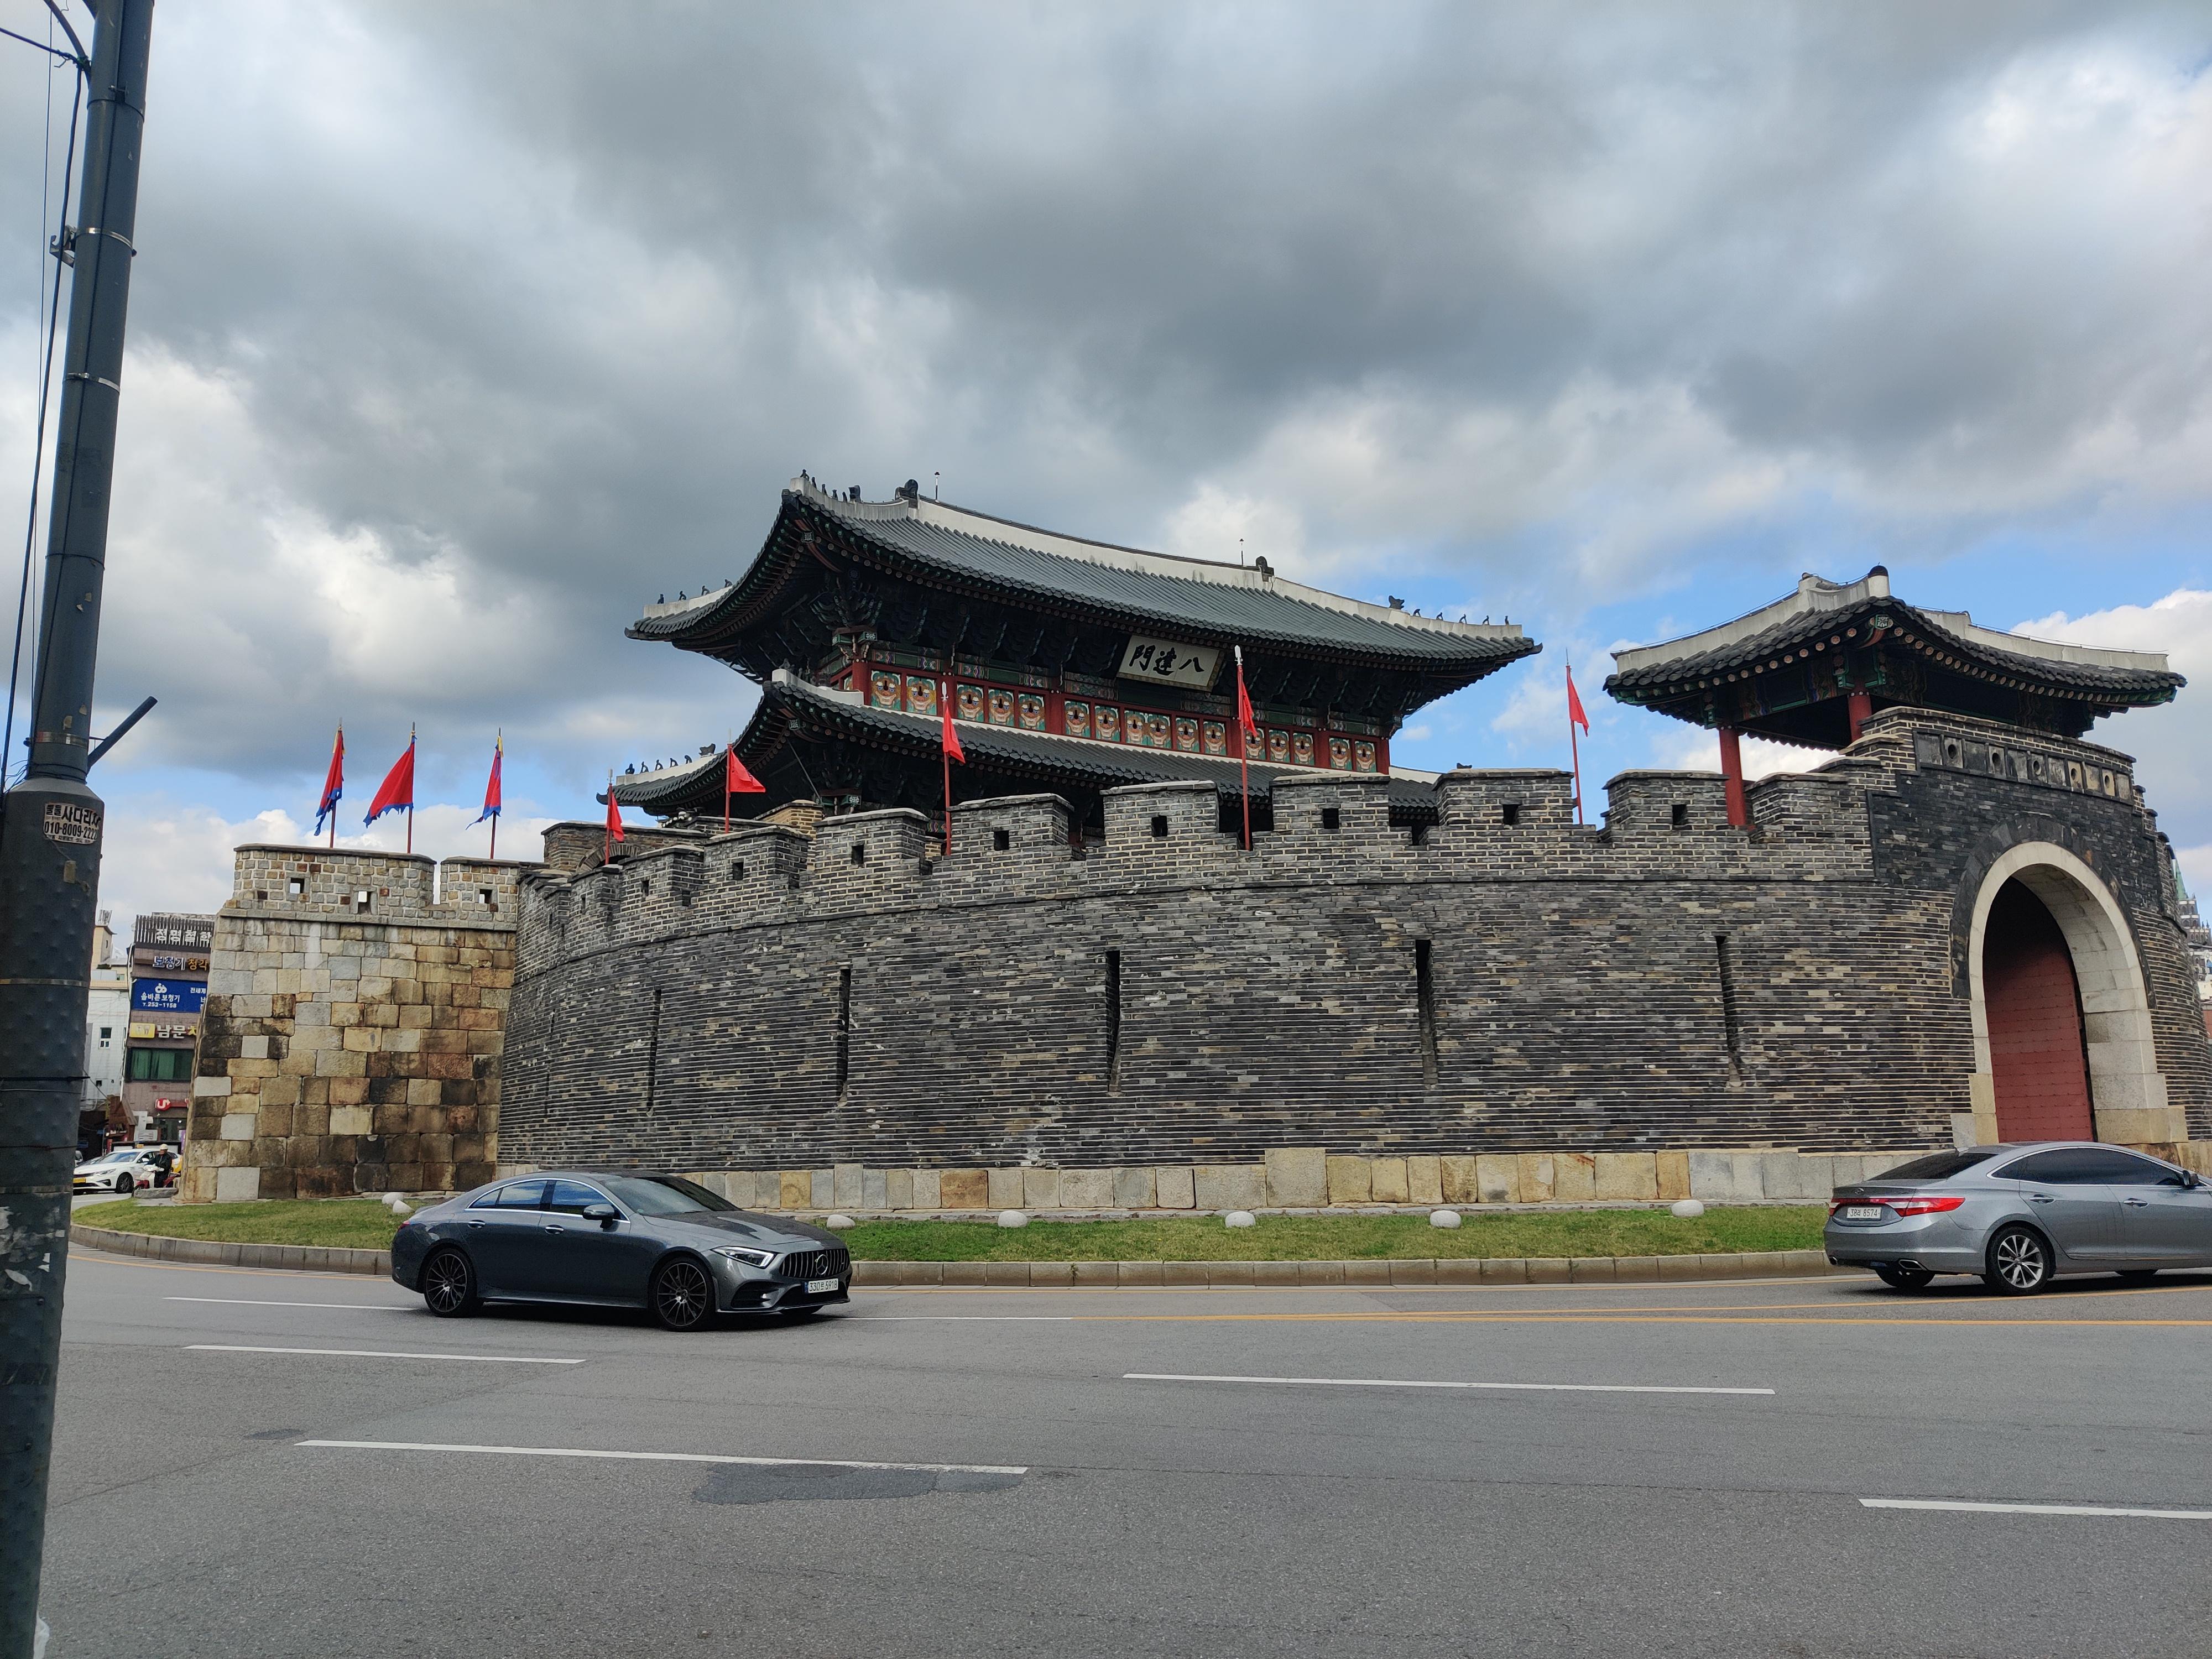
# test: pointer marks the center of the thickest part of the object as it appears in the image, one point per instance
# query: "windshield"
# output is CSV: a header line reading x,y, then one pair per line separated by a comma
x,y
1937,1166
664,1195
123,1155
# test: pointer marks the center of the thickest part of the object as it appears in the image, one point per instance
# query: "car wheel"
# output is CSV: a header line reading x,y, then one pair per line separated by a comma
x,y
2138,1275
2020,1261
449,1285
123,1186
683,1295
1904,1279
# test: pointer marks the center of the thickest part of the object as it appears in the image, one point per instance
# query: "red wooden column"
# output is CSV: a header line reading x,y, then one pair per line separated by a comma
x,y
1862,711
1738,814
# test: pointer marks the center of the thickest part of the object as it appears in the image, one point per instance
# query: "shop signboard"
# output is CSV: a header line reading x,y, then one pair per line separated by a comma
x,y
192,934
167,996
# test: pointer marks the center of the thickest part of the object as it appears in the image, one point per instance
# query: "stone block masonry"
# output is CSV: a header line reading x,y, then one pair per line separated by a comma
x,y
356,1016
1501,1003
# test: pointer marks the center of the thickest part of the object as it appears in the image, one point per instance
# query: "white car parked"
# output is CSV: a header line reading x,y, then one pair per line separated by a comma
x,y
123,1170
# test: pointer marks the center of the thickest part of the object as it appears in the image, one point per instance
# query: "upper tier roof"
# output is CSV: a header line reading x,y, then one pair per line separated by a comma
x,y
940,545
1783,670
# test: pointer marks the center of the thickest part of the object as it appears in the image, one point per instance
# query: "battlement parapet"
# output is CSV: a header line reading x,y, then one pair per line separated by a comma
x,y
357,884
1327,829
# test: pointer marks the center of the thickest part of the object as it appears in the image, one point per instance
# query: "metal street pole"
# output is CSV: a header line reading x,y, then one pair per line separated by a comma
x,y
50,830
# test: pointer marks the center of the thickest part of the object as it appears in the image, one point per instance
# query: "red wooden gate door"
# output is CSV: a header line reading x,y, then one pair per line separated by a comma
x,y
2034,1009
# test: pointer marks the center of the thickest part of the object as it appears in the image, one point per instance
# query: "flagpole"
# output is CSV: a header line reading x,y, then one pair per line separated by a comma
x,y
411,788
607,855
1243,749
1574,748
726,786
498,742
945,710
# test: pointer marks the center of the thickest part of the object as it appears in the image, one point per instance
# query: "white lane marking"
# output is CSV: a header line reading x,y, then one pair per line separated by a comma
x,y
673,1457
382,1353
1392,1382
258,1302
2031,1508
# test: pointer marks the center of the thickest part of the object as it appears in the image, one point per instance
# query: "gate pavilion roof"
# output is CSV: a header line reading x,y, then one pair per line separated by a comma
x,y
939,577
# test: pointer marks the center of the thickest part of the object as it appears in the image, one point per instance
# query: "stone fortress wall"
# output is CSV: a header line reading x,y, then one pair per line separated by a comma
x,y
1503,1007
356,1014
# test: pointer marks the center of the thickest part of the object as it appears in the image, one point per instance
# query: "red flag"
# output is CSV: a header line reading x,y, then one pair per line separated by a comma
x,y
614,812
1575,705
491,789
333,784
737,780
398,794
1244,720
951,741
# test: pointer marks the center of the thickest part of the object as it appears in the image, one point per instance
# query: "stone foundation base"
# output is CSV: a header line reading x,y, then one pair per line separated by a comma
x,y
1307,1178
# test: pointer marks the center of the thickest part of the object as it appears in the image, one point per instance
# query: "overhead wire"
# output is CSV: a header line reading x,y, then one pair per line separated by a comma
x,y
9,774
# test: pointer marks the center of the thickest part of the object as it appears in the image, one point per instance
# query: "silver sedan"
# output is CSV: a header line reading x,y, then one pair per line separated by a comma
x,y
2021,1215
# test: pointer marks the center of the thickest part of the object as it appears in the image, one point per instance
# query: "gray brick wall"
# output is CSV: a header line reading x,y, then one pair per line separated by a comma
x,y
685,1006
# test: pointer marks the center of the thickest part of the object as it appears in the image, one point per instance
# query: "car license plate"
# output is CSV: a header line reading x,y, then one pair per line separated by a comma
x,y
1862,1213
820,1286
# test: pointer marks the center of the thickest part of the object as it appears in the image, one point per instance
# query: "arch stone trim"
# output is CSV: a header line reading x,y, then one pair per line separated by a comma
x,y
2127,1091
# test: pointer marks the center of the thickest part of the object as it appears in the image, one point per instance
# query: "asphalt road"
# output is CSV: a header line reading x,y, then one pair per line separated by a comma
x,y
1083,1509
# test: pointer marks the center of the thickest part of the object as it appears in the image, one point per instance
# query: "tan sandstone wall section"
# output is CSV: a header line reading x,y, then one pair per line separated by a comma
x,y
355,1017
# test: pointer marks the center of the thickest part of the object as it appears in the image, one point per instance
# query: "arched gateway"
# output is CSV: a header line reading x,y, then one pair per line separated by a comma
x,y
2061,1015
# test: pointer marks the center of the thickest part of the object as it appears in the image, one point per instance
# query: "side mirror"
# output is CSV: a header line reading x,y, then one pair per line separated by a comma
x,y
606,1214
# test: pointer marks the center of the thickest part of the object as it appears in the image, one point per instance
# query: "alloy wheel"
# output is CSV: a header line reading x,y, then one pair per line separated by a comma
x,y
2019,1260
683,1296
447,1289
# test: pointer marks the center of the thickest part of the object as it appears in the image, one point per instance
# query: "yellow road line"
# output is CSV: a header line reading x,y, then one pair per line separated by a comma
x,y
1535,1317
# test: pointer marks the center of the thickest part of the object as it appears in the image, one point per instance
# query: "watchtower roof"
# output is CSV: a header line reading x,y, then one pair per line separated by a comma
x,y
1786,669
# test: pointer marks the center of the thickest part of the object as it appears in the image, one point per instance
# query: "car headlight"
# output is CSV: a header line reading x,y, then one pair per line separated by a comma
x,y
752,1258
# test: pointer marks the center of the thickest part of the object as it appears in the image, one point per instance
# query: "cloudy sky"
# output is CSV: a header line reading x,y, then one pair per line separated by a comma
x,y
460,331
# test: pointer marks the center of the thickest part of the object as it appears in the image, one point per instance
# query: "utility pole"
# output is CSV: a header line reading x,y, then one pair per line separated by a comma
x,y
50,828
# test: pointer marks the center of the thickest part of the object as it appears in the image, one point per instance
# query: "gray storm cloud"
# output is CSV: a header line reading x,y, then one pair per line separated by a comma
x,y
462,331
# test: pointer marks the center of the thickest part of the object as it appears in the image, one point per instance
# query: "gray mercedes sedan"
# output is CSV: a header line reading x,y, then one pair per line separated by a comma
x,y
656,1241
2021,1215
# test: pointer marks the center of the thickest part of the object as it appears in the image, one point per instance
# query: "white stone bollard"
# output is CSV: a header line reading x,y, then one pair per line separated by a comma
x,y
1443,1218
1012,1219
1688,1208
401,1208
1240,1219
838,1223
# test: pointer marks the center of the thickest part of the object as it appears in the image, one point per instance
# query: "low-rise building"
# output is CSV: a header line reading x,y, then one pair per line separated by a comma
x,y
168,989
106,1024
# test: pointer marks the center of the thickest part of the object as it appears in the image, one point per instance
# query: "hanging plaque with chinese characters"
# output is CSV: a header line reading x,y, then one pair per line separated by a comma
x,y
1165,663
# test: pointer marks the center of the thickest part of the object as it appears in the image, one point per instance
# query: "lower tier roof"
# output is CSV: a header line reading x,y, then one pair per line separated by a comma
x,y
806,741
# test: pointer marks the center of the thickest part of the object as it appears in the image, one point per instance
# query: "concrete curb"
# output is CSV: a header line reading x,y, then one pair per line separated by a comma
x,y
209,1252
1503,1270
1067,1275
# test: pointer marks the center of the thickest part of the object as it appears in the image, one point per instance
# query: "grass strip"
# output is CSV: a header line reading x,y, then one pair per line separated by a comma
x,y
349,1223
363,1225
1345,1238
